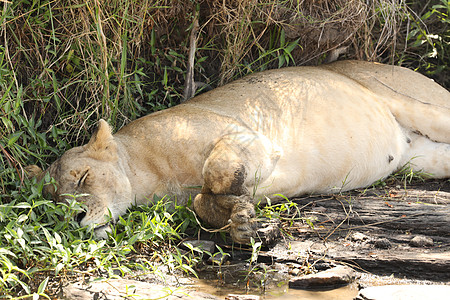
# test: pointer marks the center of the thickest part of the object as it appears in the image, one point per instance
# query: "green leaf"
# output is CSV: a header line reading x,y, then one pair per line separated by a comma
x,y
4,251
187,267
22,205
8,124
292,46
42,286
282,38
281,61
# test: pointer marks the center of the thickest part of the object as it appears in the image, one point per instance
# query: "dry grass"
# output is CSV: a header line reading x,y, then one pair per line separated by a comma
x,y
78,61
320,27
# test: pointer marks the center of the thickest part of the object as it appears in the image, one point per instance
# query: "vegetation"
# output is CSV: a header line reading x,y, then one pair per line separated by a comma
x,y
66,63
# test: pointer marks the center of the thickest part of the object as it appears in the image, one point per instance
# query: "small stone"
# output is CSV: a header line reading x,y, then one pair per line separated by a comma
x,y
337,276
359,237
294,269
322,266
295,272
421,241
399,292
269,231
383,243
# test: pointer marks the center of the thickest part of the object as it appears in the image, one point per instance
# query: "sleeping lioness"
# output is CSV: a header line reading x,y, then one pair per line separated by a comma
x,y
290,131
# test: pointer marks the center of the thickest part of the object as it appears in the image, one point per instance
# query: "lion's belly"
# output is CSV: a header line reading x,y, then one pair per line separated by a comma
x,y
339,145
334,134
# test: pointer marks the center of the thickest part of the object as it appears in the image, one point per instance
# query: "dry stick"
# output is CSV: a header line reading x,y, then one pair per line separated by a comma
x,y
13,162
347,215
380,222
189,88
205,229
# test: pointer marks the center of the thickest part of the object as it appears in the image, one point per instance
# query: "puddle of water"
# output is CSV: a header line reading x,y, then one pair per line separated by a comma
x,y
281,293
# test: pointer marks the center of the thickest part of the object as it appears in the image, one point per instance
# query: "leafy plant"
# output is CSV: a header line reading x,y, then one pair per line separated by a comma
x,y
40,239
428,41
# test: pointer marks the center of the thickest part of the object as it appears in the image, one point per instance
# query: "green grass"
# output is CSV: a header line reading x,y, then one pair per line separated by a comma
x,y
40,240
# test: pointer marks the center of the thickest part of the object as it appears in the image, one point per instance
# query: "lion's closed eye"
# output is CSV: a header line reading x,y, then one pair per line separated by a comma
x,y
83,178
80,176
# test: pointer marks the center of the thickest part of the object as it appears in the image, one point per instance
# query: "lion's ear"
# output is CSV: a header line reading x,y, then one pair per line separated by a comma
x,y
102,145
33,171
101,137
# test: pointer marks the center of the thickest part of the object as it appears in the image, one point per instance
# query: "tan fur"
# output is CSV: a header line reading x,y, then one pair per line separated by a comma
x,y
290,131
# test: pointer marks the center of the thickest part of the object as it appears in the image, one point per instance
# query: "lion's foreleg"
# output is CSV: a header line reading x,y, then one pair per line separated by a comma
x,y
228,174
216,209
221,210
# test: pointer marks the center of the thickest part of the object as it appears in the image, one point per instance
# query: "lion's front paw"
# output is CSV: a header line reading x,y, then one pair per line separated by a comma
x,y
242,232
244,226
243,223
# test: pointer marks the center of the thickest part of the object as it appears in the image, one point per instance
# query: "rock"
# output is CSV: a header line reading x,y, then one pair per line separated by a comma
x,y
294,269
295,272
124,288
334,277
322,266
203,245
359,237
421,241
405,292
383,243
269,231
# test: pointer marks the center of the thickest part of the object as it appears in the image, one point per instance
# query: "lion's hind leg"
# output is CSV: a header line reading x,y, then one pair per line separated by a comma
x,y
427,156
422,115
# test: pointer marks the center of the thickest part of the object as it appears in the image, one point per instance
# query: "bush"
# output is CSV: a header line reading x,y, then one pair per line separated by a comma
x,y
40,240
427,47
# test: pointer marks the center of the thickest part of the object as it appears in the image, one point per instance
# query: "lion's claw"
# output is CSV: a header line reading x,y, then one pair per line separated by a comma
x,y
262,230
243,232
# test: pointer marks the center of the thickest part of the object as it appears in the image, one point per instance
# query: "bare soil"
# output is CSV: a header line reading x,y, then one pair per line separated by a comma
x,y
373,229
370,230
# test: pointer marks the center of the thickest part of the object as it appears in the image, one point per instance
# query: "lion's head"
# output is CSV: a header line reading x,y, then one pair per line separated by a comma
x,y
93,171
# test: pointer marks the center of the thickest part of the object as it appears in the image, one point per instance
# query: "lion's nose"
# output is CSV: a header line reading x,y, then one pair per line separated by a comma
x,y
80,217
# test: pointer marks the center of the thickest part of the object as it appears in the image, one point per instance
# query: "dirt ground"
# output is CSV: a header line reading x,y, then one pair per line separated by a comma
x,y
394,233
395,229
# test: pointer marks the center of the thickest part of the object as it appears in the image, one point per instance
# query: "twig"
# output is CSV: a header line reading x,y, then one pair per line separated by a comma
x,y
224,228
